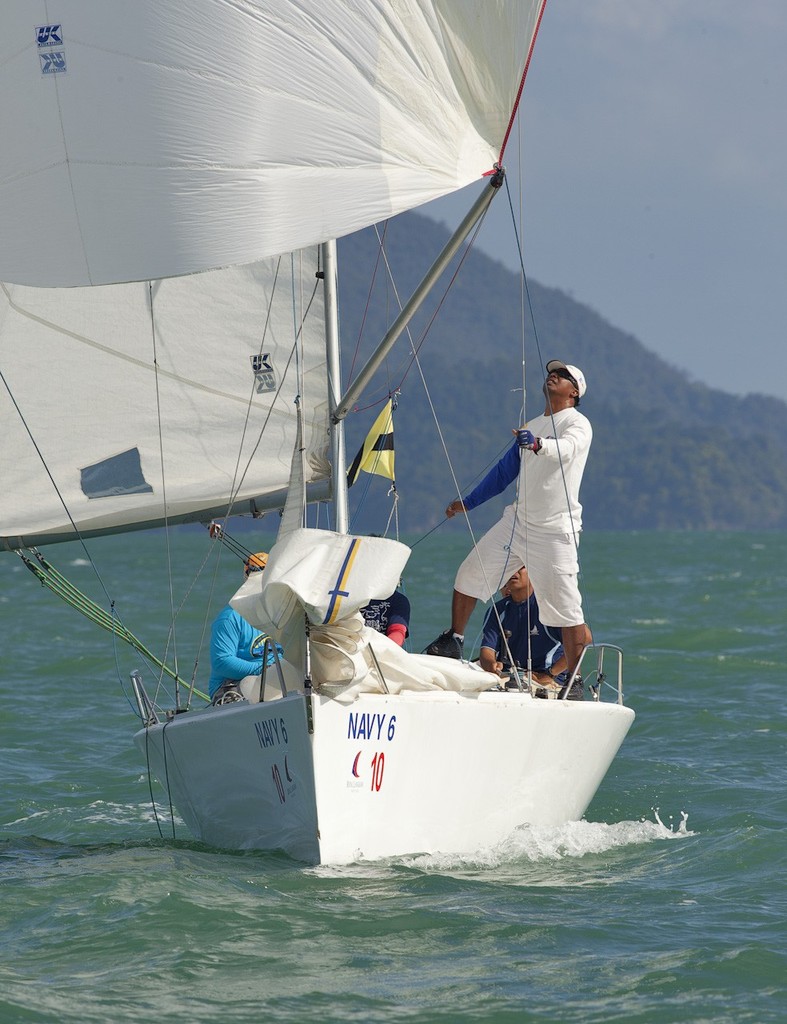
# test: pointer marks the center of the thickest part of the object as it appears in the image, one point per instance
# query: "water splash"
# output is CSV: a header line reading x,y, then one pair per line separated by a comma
x,y
551,843
682,827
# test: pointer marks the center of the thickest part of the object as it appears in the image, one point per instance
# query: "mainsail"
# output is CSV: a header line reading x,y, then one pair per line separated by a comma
x,y
136,404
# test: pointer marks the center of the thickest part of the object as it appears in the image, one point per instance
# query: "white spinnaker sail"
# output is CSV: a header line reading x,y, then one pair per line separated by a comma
x,y
149,139
109,385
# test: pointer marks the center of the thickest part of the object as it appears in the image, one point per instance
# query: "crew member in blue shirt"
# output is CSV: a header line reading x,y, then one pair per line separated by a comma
x,y
514,634
236,647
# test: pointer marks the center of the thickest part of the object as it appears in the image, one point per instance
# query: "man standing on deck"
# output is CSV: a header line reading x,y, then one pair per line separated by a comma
x,y
541,528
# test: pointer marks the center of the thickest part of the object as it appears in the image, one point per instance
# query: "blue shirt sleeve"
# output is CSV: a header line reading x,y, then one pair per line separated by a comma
x,y
231,639
496,480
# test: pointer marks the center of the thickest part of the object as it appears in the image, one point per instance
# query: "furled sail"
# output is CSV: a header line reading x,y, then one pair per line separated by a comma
x,y
328,577
136,403
150,140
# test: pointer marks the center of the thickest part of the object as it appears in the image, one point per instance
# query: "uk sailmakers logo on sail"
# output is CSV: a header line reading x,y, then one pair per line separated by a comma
x,y
264,373
51,53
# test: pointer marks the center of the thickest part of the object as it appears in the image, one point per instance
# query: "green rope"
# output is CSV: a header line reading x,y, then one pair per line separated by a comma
x,y
54,581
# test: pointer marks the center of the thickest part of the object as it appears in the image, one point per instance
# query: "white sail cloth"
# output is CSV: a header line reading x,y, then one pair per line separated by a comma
x,y
349,659
202,133
327,578
191,381
323,575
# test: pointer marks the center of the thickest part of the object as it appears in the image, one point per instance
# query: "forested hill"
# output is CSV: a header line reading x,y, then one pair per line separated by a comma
x,y
668,452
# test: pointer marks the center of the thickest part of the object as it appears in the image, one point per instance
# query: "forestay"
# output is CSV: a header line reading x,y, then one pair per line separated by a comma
x,y
152,139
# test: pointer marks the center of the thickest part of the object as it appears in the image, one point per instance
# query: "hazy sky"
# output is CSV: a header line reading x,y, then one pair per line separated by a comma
x,y
654,178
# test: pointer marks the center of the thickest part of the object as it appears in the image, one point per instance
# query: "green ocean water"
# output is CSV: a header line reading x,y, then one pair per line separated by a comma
x,y
666,904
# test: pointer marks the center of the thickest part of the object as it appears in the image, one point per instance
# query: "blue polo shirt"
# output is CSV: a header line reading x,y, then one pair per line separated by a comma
x,y
523,628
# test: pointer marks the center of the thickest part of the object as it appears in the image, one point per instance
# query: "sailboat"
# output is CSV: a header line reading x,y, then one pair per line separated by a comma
x,y
172,183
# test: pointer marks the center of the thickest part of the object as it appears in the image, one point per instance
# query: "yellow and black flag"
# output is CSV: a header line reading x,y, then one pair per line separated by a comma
x,y
376,454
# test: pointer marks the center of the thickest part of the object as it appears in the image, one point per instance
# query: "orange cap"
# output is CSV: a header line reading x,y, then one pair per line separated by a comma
x,y
256,562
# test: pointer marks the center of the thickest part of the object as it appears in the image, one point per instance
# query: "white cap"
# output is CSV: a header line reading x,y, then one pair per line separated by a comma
x,y
576,373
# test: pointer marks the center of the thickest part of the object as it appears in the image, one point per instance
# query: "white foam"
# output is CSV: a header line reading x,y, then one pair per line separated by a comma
x,y
542,843
537,844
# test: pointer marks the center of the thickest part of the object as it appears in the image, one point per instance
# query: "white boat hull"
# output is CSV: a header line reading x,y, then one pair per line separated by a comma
x,y
384,775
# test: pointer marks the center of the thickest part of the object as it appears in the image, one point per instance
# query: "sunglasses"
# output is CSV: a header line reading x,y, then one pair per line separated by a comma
x,y
566,376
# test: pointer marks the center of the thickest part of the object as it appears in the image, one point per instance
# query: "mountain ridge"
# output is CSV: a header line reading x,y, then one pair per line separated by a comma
x,y
668,452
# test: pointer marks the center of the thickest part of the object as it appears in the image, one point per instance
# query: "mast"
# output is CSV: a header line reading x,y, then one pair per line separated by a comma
x,y
338,455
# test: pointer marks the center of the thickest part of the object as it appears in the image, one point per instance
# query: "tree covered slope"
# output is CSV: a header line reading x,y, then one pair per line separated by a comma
x,y
668,452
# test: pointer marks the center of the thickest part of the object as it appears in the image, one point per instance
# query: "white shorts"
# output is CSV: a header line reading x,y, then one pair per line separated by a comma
x,y
550,559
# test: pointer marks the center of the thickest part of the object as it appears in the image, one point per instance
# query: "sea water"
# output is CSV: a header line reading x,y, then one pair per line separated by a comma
x,y
667,903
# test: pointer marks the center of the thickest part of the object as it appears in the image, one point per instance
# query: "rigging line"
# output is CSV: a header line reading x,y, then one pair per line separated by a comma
x,y
57,491
299,379
250,398
150,783
192,683
55,582
235,547
62,589
237,483
134,710
501,581
380,244
234,494
523,380
235,488
524,278
394,514
413,348
540,360
171,633
416,360
49,577
468,487
416,349
448,460
451,282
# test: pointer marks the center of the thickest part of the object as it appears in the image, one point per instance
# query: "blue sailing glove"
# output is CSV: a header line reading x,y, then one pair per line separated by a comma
x,y
525,439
